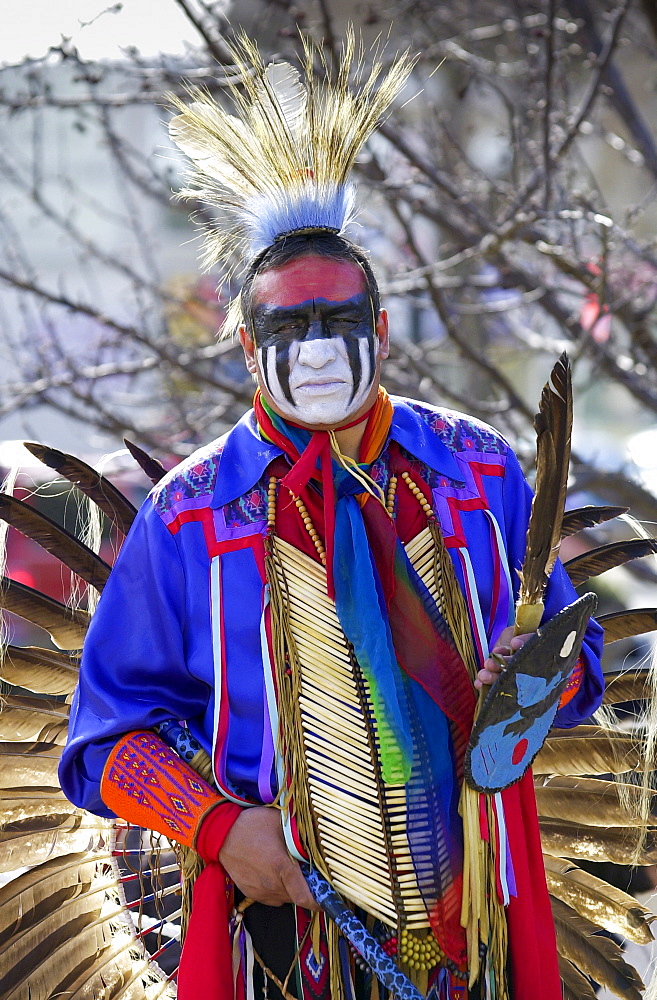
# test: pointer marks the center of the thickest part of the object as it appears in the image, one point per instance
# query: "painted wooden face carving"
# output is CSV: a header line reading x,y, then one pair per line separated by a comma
x,y
316,340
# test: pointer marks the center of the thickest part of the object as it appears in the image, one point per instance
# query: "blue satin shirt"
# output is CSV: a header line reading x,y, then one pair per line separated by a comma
x,y
179,630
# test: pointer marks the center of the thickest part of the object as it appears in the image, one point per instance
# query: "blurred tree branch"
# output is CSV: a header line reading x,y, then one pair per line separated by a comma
x,y
490,202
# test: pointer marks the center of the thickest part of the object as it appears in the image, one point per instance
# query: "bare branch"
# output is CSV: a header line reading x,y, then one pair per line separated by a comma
x,y
491,224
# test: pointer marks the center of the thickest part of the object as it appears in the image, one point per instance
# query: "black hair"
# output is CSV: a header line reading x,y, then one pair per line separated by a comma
x,y
313,244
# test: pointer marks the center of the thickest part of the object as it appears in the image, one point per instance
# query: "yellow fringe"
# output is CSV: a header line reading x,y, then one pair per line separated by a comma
x,y
296,795
482,915
336,990
451,602
189,862
290,733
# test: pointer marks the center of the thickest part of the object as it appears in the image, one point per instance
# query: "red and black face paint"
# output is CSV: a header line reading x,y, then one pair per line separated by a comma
x,y
279,332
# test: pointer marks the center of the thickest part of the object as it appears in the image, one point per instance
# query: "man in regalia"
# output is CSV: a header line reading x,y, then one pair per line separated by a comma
x,y
317,596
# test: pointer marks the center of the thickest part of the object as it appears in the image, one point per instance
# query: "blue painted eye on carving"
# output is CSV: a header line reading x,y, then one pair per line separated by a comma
x,y
532,689
520,708
351,320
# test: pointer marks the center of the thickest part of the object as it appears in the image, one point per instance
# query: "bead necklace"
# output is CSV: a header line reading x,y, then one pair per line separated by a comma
x,y
419,496
308,522
390,496
303,511
310,528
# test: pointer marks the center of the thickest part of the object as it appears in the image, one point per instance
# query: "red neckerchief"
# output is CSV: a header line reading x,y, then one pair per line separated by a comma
x,y
304,464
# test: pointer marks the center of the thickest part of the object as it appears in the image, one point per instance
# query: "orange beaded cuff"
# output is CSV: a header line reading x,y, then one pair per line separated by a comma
x,y
147,783
574,683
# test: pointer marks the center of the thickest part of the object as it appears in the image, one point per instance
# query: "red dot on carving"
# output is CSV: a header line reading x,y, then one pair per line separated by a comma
x,y
519,751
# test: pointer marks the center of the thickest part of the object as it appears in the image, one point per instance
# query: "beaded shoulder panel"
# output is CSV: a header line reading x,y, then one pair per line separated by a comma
x,y
248,508
461,433
466,437
191,480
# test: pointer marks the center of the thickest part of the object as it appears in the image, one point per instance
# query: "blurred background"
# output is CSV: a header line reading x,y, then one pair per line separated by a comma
x,y
509,204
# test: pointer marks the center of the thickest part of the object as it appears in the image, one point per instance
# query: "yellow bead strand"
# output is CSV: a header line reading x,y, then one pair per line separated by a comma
x,y
271,503
310,528
390,495
419,496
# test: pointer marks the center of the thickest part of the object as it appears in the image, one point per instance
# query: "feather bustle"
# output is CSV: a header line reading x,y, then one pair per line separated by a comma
x,y
617,845
627,685
586,750
34,804
40,670
67,627
589,801
26,899
578,518
93,484
55,539
76,934
603,904
116,973
595,955
605,557
22,764
23,718
576,986
151,466
626,624
93,882
34,841
54,732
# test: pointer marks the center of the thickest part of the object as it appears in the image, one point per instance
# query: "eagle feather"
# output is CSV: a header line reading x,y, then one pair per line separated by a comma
x,y
97,487
553,424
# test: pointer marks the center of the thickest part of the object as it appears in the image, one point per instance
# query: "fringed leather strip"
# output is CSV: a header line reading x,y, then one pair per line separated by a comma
x,y
295,798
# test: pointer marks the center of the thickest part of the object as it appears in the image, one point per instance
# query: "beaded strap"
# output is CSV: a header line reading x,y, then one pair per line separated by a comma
x,y
308,522
303,511
271,503
419,496
390,496
310,528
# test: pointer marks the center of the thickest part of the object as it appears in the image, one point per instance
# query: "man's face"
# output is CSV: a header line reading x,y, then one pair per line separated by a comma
x,y
317,345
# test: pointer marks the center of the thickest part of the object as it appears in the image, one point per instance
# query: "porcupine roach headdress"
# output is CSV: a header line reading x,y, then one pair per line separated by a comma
x,y
282,164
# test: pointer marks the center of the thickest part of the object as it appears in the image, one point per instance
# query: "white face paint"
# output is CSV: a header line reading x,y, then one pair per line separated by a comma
x,y
316,338
321,380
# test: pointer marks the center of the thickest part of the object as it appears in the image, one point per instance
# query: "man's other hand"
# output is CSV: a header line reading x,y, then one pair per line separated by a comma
x,y
506,645
256,858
